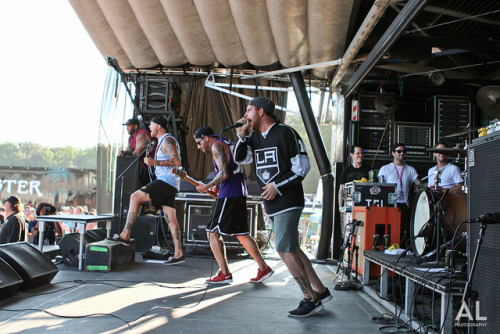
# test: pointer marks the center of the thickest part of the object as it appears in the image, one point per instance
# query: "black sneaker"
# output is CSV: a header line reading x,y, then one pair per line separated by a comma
x,y
325,296
306,308
171,260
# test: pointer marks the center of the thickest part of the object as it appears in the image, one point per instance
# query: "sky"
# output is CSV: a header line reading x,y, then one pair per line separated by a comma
x,y
53,75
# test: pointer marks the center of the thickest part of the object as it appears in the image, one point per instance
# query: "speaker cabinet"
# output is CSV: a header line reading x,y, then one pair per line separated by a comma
x,y
10,281
195,223
109,255
30,264
70,247
483,197
128,184
144,232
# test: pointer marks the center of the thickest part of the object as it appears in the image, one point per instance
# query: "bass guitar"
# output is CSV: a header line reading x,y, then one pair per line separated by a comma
x,y
181,172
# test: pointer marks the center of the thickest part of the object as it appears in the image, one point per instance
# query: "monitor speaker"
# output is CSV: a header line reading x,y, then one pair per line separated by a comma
x,y
70,247
144,232
98,234
483,195
10,281
30,264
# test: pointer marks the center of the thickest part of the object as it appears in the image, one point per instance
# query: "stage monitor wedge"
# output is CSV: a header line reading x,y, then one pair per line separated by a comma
x,y
30,264
10,281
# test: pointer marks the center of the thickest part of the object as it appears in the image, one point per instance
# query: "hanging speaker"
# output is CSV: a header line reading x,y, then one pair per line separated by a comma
x,y
29,263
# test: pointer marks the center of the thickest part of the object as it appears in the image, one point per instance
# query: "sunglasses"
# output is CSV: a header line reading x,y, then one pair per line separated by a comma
x,y
400,151
198,142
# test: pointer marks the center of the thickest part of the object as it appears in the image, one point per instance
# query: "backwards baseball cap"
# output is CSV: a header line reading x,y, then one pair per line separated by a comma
x,y
204,131
264,103
161,121
133,121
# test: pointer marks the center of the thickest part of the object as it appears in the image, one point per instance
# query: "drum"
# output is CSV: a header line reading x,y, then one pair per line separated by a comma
x,y
422,231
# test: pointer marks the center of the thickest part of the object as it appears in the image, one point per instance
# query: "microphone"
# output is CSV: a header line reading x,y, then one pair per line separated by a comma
x,y
489,218
235,125
357,222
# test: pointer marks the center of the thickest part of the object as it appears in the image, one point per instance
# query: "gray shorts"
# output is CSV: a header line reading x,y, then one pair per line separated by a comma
x,y
286,233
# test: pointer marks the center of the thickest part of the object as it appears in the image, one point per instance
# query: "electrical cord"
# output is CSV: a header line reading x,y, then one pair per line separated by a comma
x,y
127,322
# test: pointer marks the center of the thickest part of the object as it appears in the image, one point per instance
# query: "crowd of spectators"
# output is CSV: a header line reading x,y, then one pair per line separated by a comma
x,y
18,221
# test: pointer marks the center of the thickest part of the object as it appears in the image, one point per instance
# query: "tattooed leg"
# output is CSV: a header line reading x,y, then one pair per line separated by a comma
x,y
296,267
302,282
174,229
131,218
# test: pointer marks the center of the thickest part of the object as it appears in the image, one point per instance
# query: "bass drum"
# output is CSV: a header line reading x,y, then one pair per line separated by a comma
x,y
422,219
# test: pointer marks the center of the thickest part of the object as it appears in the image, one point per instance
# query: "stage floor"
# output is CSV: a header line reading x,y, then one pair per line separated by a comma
x,y
154,298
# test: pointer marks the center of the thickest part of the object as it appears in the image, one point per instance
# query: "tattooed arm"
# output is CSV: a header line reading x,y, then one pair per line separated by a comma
x,y
140,143
168,147
220,152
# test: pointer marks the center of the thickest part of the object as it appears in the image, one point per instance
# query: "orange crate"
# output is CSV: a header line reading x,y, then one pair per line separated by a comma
x,y
374,221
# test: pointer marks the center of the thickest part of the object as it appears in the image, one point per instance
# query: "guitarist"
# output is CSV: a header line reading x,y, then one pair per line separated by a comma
x,y
162,190
229,213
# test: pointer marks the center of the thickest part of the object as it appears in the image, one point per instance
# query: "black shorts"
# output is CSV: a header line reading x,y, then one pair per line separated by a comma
x,y
229,216
161,193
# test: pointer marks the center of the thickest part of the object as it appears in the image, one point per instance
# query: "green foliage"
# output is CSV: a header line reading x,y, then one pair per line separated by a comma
x,y
35,155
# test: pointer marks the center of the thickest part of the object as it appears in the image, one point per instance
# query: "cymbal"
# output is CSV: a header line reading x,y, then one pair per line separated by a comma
x,y
461,133
488,99
447,151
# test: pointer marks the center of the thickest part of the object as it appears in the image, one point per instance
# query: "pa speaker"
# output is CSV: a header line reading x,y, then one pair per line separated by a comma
x,y
483,195
70,247
10,281
30,264
128,184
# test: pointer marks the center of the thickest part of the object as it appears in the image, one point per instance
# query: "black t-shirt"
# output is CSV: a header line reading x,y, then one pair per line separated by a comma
x,y
350,173
281,158
13,229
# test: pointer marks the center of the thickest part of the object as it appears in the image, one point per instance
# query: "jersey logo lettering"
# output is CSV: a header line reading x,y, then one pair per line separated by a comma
x,y
266,163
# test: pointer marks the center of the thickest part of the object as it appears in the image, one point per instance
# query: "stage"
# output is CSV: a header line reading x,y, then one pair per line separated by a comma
x,y
154,298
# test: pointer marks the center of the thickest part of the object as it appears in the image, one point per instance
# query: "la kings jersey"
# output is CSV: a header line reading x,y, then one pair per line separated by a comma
x,y
280,157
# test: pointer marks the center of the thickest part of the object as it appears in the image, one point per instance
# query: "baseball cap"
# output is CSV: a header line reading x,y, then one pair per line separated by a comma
x,y
132,121
264,103
161,121
203,131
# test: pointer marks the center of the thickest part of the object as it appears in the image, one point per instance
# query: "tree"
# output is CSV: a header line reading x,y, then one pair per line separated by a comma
x,y
35,155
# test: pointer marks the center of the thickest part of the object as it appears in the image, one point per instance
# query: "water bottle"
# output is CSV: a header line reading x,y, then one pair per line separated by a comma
x,y
376,243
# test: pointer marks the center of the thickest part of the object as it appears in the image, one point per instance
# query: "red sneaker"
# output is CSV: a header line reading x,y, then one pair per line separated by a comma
x,y
220,279
262,275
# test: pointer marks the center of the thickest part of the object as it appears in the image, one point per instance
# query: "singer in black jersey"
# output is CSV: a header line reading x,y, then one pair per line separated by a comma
x,y
281,163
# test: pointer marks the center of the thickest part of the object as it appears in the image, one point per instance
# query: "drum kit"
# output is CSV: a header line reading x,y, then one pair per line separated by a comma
x,y
437,215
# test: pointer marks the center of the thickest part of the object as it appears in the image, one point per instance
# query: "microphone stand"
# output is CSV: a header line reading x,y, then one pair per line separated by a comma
x,y
122,177
468,292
